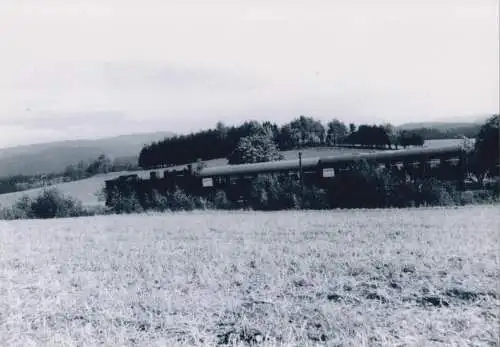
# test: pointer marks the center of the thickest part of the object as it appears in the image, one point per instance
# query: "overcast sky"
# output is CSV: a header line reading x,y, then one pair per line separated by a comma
x,y
93,68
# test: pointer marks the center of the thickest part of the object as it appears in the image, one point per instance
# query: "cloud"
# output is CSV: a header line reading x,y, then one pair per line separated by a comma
x,y
138,75
128,74
59,121
103,67
64,94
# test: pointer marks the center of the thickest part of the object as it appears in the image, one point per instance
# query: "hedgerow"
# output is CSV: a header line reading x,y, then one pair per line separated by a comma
x,y
364,187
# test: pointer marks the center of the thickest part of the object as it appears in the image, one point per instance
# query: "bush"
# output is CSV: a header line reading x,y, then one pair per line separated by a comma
x,y
401,194
370,187
180,201
202,203
493,186
478,197
274,192
221,201
435,193
50,203
315,198
12,213
128,201
155,202
24,205
124,202
96,210
467,198
364,186
282,192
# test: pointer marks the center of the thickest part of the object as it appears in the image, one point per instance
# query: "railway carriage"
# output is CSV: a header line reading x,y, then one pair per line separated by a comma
x,y
445,163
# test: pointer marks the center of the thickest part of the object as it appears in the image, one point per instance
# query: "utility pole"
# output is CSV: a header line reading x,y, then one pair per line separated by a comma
x,y
301,181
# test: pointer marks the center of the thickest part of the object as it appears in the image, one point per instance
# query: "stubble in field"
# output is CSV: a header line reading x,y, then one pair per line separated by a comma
x,y
349,278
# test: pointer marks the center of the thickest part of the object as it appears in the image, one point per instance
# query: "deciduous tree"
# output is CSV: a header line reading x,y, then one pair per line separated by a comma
x,y
255,148
336,133
486,151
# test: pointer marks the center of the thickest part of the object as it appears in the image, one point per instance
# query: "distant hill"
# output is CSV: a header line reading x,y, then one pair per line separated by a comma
x,y
55,156
442,126
443,130
446,124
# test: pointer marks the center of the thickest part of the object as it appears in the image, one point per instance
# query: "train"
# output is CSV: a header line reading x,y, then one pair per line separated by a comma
x,y
443,163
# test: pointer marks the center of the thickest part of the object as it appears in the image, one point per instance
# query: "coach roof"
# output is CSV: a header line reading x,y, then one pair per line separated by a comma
x,y
270,166
403,154
287,165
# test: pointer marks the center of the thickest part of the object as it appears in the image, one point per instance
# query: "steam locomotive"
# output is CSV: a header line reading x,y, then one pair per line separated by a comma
x,y
443,163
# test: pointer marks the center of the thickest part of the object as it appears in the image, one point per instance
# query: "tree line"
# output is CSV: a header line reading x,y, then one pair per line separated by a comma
x,y
456,132
221,141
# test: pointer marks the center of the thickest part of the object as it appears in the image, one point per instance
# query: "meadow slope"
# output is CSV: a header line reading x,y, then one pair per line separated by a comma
x,y
413,277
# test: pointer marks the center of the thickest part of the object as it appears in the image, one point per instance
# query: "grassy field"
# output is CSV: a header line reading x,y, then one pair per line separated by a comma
x,y
85,190
415,277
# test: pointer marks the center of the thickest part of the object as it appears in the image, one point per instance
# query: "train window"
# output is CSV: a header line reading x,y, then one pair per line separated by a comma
x,y
221,180
207,182
434,163
328,172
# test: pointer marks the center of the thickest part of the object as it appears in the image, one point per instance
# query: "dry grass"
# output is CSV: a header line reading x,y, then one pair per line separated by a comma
x,y
416,277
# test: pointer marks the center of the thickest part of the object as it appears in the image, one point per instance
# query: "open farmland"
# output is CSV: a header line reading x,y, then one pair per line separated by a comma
x,y
85,190
413,277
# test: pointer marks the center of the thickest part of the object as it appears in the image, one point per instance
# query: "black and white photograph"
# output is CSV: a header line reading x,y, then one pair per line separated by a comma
x,y
180,173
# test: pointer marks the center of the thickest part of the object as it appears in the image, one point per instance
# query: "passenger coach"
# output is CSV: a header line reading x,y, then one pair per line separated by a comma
x,y
444,163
